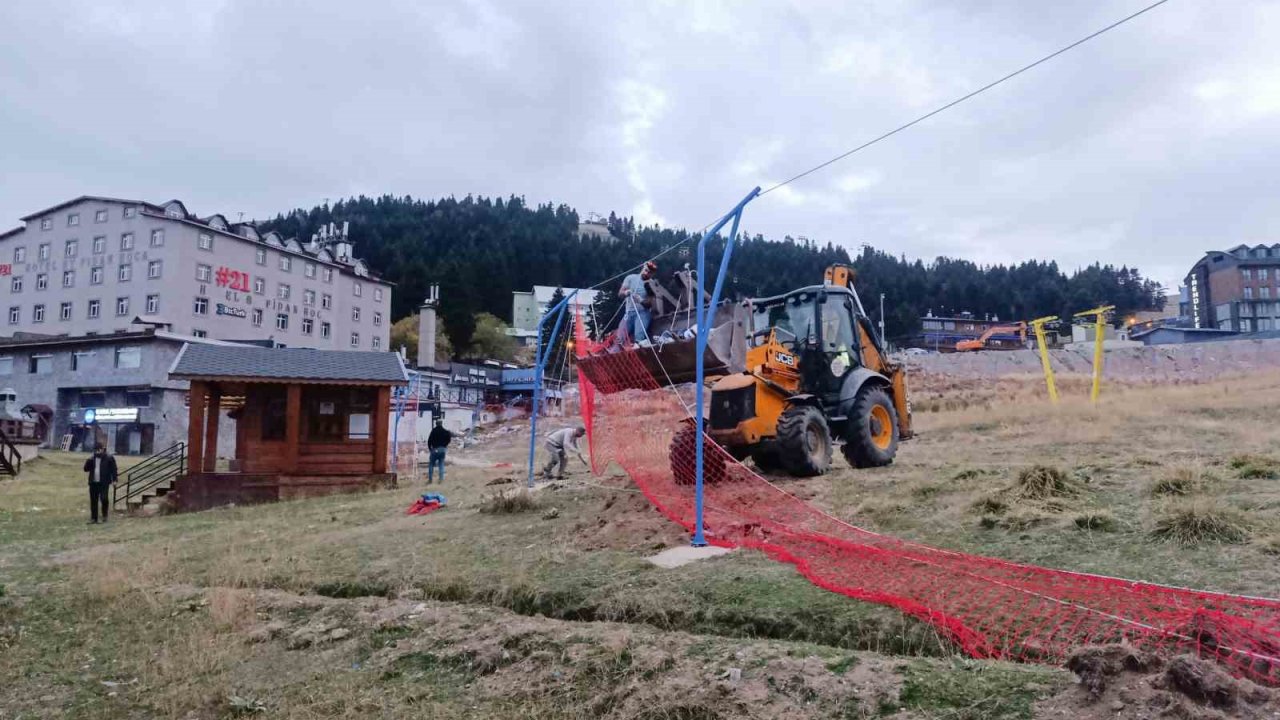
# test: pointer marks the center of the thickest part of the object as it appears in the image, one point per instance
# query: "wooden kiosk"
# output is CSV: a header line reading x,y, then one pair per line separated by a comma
x,y
307,422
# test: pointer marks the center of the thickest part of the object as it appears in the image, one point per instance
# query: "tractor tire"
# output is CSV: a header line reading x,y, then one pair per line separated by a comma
x,y
804,441
684,460
872,429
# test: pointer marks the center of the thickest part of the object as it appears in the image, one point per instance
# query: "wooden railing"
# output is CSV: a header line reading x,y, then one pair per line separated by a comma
x,y
162,468
10,458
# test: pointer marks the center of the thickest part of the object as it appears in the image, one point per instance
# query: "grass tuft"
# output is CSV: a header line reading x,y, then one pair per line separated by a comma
x,y
1101,521
990,505
352,589
1041,482
1255,467
1183,480
509,503
1203,521
1270,545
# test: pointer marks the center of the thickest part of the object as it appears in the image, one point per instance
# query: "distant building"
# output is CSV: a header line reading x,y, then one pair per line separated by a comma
x,y
105,265
942,333
1236,289
527,308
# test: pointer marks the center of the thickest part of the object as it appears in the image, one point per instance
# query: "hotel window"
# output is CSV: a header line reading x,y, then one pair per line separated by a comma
x,y
15,315
307,325
284,291
15,285
46,224
282,321
80,361
138,397
125,274
157,238
377,343
40,364
126,241
204,241
122,306
99,244
355,314
308,297
286,263
1248,293
324,330
327,275
19,254
37,313
260,256
204,273
153,269
309,269
1247,273
6,365
355,339
377,294
1262,273
130,212
42,281
68,278
256,316
201,306
95,275
357,289
73,220
199,333
100,216
153,304
1264,293
128,357
377,319
72,247
326,301
64,311
43,252
95,309
259,285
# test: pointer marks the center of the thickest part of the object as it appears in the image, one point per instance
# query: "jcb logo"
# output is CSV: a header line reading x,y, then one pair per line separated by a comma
x,y
785,359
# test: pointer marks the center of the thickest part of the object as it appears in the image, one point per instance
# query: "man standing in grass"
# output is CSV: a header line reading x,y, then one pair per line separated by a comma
x,y
437,442
558,443
102,475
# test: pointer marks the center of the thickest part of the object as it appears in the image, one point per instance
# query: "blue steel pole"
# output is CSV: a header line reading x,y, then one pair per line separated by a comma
x,y
699,538
540,361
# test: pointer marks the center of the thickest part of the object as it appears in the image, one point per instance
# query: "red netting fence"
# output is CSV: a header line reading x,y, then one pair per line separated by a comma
x,y
988,607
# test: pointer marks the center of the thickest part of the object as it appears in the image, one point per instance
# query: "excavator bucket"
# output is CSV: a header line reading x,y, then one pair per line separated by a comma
x,y
670,355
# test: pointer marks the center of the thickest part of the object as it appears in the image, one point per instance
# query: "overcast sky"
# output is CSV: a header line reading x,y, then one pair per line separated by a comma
x,y
1146,146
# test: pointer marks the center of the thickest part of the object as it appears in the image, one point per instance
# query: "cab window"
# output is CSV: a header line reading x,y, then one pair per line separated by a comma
x,y
837,330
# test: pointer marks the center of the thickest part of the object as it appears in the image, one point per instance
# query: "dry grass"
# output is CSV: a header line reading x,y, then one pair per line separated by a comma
x,y
509,503
1182,480
1203,521
1099,521
1255,467
1044,482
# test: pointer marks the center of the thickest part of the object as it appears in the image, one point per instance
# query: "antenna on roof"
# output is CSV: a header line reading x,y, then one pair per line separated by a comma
x,y
241,214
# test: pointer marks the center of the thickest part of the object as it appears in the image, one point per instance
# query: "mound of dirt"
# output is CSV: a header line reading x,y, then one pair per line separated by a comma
x,y
624,521
1122,681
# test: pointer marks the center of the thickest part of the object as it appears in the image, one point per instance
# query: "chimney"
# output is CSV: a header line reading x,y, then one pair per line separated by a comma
x,y
427,328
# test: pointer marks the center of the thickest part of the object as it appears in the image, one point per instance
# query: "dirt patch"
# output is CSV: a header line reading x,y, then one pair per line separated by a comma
x,y
624,520
1122,681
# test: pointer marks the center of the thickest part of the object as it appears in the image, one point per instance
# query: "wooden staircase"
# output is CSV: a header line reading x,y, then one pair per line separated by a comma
x,y
10,458
154,477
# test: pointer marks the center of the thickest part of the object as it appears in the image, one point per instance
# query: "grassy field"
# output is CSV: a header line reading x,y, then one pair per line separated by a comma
x,y
345,607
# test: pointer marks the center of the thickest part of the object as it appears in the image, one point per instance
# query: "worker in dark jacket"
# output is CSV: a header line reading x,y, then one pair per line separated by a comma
x,y
101,468
437,442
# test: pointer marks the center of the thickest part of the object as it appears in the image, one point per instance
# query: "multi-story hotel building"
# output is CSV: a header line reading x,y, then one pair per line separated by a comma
x,y
97,265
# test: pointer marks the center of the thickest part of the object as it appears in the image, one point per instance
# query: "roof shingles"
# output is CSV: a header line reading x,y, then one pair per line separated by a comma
x,y
283,364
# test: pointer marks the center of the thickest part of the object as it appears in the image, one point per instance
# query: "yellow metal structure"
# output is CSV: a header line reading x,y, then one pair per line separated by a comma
x,y
1038,326
1099,335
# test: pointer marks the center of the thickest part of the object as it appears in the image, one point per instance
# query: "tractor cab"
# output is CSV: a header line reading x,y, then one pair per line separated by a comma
x,y
815,328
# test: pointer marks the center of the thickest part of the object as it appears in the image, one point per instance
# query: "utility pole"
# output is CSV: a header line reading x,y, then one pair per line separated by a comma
x,y
881,317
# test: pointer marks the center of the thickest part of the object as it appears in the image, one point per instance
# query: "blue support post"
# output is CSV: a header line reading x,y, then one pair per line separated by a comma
x,y
699,539
540,361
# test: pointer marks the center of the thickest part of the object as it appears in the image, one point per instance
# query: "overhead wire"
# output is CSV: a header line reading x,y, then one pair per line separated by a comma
x,y
963,98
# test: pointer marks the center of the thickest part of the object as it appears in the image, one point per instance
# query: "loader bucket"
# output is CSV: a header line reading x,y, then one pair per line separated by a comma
x,y
671,357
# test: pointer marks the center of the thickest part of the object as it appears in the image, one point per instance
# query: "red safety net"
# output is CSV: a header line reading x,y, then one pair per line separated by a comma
x,y
990,608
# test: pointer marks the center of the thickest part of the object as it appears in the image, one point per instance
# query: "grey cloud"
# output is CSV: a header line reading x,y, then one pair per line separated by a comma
x,y
1144,147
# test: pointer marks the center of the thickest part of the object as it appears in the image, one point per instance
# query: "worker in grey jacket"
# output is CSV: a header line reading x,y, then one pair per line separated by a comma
x,y
558,445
